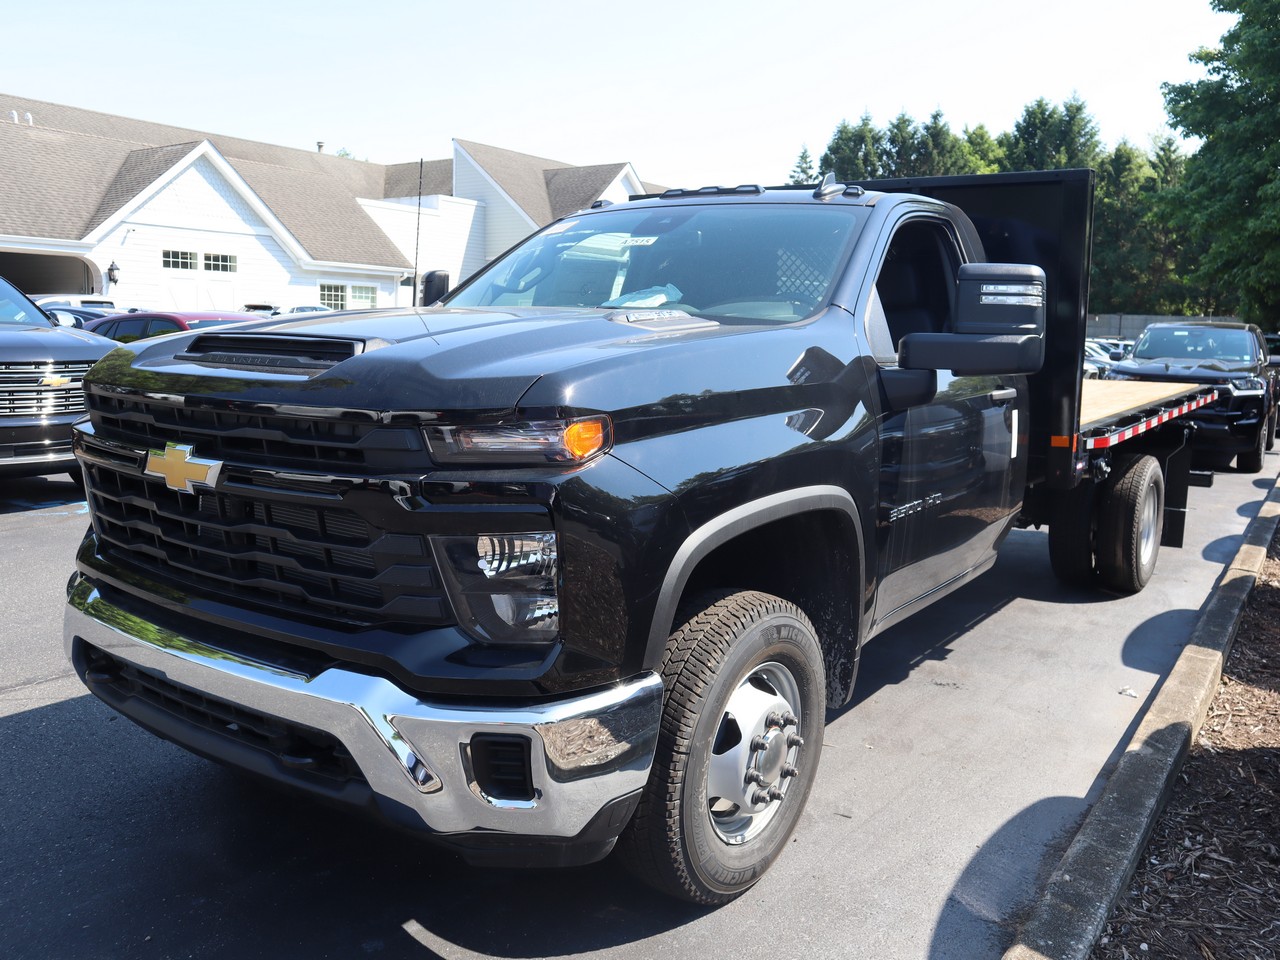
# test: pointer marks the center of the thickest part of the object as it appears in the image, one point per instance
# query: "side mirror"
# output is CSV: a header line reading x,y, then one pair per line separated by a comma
x,y
434,286
1117,354
999,324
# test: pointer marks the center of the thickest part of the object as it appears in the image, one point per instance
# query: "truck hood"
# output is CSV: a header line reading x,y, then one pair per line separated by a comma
x,y
434,360
26,343
1185,370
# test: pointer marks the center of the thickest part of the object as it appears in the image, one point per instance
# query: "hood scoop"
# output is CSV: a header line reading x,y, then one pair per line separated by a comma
x,y
274,352
663,321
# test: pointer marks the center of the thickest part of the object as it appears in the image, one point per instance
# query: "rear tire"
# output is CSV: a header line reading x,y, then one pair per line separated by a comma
x,y
1130,524
1071,535
743,715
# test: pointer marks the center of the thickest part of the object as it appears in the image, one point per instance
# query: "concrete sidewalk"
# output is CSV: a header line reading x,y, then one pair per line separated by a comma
x,y
1094,871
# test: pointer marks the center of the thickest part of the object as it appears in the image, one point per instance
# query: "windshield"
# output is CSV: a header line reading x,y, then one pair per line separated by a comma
x,y
15,308
752,262
1195,343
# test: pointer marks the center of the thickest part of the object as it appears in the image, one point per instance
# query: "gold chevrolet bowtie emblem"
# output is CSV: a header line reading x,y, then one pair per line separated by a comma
x,y
180,470
55,380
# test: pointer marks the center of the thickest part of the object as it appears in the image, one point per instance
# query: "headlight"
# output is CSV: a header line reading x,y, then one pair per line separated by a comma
x,y
503,585
1247,385
528,443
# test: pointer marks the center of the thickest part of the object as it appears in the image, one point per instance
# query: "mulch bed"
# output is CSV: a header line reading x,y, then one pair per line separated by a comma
x,y
1208,887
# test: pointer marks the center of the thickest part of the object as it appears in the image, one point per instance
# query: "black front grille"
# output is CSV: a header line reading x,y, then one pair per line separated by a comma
x,y
42,388
309,560
298,748
251,438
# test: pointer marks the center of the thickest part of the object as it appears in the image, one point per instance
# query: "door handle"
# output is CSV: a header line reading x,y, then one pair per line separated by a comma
x,y
1001,396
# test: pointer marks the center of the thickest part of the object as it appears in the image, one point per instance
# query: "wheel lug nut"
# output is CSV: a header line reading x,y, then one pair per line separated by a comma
x,y
775,793
795,740
755,776
773,720
761,796
759,743
789,720
789,771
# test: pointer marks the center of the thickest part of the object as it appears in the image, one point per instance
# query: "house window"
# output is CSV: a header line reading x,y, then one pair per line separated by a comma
x,y
178,260
220,262
333,296
362,297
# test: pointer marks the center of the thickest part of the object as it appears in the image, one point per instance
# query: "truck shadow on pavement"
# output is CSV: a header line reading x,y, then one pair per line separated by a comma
x,y
125,844
36,493
1022,572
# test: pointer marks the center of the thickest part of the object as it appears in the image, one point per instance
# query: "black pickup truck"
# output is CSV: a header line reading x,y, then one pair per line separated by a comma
x,y
581,555
41,367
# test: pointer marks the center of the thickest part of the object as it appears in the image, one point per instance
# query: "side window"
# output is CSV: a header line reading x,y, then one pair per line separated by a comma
x,y
915,289
161,327
127,331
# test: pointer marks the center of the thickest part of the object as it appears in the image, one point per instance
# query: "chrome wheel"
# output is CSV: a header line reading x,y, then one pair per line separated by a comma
x,y
1149,526
756,753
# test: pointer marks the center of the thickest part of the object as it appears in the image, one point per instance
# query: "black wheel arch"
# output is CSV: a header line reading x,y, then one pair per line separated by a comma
x,y
822,570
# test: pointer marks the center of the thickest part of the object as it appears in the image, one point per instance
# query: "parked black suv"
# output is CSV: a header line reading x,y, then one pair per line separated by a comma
x,y
41,368
1230,356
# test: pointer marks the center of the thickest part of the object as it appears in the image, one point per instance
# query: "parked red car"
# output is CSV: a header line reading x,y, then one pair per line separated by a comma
x,y
127,327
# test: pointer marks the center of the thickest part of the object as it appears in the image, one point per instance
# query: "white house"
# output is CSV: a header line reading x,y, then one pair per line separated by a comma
x,y
192,220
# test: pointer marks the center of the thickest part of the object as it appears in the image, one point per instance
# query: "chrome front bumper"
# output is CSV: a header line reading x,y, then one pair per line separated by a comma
x,y
586,752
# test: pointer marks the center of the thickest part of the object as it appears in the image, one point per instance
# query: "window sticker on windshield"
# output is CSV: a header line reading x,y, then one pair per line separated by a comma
x,y
638,241
560,227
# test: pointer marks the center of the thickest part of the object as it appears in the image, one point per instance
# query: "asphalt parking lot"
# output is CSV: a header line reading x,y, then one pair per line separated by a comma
x,y
980,733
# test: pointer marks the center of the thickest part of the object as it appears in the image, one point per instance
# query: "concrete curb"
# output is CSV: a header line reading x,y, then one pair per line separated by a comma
x,y
1094,871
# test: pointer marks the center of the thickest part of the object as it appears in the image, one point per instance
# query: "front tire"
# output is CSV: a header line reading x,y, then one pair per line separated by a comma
x,y
739,746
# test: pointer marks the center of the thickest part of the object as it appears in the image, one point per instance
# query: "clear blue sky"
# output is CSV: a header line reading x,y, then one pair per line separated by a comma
x,y
690,92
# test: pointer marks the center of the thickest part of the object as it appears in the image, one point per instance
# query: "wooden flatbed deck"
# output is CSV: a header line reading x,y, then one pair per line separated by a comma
x,y
1103,401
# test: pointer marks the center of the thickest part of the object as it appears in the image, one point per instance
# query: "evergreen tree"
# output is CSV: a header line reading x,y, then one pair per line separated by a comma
x,y
803,172
854,153
902,147
982,153
1231,198
940,151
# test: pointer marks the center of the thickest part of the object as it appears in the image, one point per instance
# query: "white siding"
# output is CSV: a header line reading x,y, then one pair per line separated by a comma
x,y
201,212
505,224
625,185
451,235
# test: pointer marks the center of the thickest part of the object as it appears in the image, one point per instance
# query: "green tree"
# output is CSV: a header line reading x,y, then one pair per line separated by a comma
x,y
902,147
940,151
1121,250
1231,197
855,153
1048,137
982,153
803,172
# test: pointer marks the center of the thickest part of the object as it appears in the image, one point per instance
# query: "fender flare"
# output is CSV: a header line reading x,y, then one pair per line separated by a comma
x,y
720,530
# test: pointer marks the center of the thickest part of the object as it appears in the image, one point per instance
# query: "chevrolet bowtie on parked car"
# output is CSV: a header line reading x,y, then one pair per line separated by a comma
x,y
1230,356
41,366
582,555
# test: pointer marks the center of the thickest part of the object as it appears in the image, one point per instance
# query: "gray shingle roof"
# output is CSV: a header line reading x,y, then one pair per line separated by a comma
x,y
572,188
76,165
79,167
140,169
402,179
520,175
